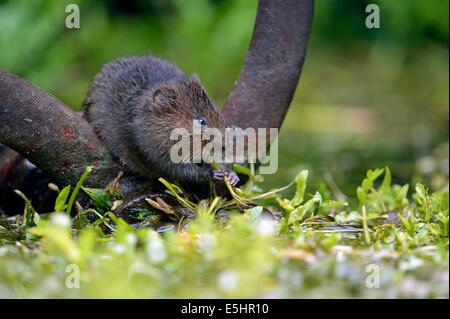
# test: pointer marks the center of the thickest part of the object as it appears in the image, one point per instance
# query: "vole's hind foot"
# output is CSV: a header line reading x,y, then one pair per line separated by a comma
x,y
228,174
113,188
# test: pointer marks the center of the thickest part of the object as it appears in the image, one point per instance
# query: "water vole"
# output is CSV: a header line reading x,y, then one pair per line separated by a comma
x,y
134,104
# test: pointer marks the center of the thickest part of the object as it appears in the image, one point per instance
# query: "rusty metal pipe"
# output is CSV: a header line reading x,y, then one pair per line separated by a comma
x,y
50,135
263,92
62,144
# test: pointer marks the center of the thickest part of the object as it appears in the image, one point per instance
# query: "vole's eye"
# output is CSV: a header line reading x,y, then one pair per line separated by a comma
x,y
202,121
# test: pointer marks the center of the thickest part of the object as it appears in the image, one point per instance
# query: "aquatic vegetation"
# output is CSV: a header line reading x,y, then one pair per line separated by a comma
x,y
392,243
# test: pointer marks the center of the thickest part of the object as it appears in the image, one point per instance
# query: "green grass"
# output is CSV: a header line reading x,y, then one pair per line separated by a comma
x,y
393,243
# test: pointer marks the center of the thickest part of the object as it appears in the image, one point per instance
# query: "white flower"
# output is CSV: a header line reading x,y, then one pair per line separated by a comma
x,y
206,242
61,219
266,227
156,250
227,280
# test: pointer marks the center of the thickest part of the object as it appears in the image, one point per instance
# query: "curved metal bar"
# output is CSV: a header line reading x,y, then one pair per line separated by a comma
x,y
61,143
261,96
49,134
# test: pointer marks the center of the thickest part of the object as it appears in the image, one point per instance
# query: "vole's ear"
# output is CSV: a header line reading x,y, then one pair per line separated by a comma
x,y
194,78
164,92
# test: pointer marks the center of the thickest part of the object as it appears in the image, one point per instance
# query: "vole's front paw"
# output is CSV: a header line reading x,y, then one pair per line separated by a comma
x,y
232,177
228,174
218,175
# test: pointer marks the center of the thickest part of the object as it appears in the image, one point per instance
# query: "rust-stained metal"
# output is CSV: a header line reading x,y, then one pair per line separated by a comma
x,y
62,144
49,134
261,96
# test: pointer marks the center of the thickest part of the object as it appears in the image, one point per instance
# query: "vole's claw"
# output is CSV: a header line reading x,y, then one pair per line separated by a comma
x,y
232,177
229,175
218,175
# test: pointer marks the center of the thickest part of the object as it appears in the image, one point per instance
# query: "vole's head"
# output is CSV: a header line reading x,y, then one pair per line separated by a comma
x,y
174,107
184,101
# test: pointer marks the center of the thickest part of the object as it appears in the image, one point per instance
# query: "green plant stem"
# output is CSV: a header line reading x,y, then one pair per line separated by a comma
x,y
100,216
366,230
77,188
172,189
379,199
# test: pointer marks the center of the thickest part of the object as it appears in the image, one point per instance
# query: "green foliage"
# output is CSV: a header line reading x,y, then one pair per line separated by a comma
x,y
100,197
30,215
60,203
300,180
77,188
314,248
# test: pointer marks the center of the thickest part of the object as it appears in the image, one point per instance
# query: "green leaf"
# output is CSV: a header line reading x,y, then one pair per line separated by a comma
x,y
409,227
384,188
27,218
242,170
60,203
300,180
300,212
36,218
421,194
284,203
77,188
443,219
434,229
362,196
401,196
367,184
373,175
99,196
255,213
332,203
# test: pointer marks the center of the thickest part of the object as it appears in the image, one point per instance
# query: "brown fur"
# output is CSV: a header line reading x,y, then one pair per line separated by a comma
x,y
135,102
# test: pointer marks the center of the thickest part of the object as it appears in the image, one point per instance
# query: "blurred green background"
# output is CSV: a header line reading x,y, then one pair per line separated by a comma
x,y
367,97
